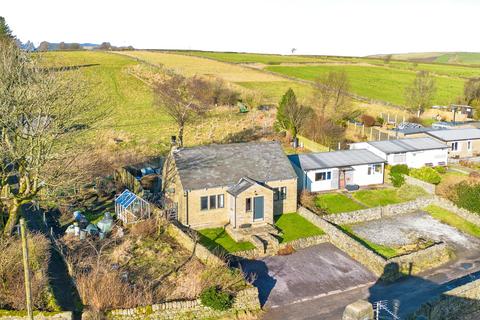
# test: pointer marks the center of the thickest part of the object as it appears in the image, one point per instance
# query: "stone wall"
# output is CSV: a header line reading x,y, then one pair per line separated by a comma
x,y
388,270
379,212
428,187
19,315
202,253
450,206
246,301
452,304
296,244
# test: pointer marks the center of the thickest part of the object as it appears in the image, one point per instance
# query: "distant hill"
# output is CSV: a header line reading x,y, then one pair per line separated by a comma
x,y
440,57
54,46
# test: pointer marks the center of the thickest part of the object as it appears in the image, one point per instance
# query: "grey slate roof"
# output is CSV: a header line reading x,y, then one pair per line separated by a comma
x,y
223,165
407,131
406,145
336,159
456,134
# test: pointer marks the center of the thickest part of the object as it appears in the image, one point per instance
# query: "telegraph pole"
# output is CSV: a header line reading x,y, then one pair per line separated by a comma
x,y
26,268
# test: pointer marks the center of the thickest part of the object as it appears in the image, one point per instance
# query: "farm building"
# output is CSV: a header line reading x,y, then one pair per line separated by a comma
x,y
325,171
414,152
463,143
240,185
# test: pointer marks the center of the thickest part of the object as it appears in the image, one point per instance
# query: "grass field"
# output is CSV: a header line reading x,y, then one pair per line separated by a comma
x,y
384,251
376,82
453,220
336,203
294,226
134,119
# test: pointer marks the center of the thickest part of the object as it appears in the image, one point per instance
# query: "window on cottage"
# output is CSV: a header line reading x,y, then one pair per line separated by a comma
x,y
220,201
276,194
321,176
454,146
469,145
213,202
283,193
203,203
248,204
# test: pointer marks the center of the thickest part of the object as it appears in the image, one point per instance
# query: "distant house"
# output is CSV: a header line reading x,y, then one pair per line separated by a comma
x,y
414,152
463,143
235,185
325,171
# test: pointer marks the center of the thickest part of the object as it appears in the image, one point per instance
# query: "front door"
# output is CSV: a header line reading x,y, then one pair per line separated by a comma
x,y
341,179
258,208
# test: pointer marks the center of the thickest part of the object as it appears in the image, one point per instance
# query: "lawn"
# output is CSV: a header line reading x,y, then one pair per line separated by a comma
x,y
336,203
384,251
294,226
376,82
215,238
452,219
383,197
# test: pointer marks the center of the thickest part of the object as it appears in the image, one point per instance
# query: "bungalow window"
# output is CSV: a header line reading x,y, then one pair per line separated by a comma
x,y
213,202
454,146
248,204
469,145
374,168
221,201
280,193
321,176
203,203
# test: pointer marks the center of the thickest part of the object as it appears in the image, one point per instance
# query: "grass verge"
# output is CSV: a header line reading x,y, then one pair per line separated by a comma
x,y
384,251
453,220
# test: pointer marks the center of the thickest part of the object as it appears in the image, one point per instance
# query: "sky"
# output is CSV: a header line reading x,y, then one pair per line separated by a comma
x,y
334,27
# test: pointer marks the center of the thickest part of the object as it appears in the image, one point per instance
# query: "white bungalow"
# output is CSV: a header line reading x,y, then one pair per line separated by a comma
x,y
325,171
414,152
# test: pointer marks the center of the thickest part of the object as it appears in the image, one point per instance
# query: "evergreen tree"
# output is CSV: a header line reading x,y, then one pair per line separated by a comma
x,y
5,31
288,100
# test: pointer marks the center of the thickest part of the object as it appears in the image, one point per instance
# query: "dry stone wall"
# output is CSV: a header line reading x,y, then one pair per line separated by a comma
x,y
463,213
15,315
452,304
246,301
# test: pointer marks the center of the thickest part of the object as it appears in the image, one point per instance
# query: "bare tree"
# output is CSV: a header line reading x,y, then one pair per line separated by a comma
x,y
471,91
332,90
324,131
43,112
420,94
387,58
43,46
182,99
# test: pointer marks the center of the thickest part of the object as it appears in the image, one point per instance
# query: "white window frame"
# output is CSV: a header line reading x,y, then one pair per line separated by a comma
x,y
469,145
327,176
455,143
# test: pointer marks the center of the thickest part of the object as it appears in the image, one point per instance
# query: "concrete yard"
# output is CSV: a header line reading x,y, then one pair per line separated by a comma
x,y
307,274
406,229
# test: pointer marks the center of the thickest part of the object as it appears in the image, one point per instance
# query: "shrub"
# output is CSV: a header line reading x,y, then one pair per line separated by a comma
x,y
287,250
397,179
441,170
426,174
400,168
414,119
380,121
367,120
216,299
467,196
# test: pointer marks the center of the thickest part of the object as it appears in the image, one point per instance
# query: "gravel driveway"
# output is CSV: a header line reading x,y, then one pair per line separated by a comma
x,y
405,229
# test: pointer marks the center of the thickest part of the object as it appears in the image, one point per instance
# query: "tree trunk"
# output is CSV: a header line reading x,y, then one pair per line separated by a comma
x,y
180,136
13,214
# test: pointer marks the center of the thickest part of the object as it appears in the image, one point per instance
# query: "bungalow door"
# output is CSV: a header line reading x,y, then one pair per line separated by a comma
x,y
341,179
258,208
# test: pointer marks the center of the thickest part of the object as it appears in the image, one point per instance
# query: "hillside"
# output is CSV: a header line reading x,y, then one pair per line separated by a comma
x,y
467,58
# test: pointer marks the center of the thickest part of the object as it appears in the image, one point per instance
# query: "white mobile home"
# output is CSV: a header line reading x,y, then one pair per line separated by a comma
x,y
325,171
414,152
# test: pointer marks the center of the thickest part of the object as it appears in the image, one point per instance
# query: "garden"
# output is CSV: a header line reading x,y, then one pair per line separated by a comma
x,y
292,226
334,203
